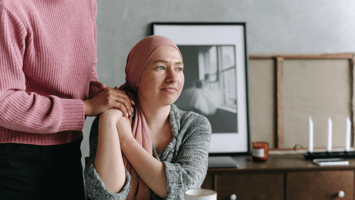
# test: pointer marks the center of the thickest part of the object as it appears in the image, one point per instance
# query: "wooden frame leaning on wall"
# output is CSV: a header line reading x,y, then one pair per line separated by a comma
x,y
283,64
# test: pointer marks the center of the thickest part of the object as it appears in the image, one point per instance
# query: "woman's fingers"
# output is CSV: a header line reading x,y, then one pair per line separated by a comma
x,y
108,98
122,108
123,98
122,92
119,100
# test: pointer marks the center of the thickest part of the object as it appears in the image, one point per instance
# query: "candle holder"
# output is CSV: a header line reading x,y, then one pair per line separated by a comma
x,y
334,154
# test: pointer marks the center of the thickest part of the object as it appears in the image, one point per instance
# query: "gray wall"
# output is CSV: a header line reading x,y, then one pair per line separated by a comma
x,y
273,26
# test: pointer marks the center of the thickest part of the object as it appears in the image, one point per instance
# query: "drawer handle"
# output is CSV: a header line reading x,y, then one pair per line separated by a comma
x,y
341,194
233,197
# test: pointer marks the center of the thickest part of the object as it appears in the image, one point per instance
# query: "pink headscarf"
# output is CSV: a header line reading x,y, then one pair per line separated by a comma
x,y
137,60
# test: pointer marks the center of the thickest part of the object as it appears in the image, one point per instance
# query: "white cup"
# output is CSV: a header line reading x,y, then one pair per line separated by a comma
x,y
200,194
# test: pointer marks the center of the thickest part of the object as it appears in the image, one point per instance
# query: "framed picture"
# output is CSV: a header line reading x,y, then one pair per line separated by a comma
x,y
216,79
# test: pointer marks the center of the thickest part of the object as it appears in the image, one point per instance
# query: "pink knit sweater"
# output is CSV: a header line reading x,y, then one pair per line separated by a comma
x,y
47,67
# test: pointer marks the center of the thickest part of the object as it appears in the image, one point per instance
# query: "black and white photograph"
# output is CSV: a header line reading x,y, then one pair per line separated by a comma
x,y
210,88
216,81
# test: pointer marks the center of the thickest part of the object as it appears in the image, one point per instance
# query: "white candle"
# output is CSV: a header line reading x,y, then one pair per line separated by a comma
x,y
330,127
347,134
310,132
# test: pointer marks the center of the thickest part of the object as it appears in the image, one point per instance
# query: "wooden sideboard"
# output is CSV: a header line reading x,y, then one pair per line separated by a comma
x,y
282,177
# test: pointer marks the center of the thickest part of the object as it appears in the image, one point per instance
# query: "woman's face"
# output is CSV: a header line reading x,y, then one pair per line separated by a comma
x,y
163,78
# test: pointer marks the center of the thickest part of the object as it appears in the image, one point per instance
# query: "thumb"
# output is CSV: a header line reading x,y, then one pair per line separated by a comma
x,y
104,85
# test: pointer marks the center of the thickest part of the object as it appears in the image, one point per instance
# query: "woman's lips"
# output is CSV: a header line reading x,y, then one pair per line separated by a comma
x,y
170,89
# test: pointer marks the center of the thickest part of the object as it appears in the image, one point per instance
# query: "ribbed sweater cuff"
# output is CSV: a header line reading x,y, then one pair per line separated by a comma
x,y
73,112
95,88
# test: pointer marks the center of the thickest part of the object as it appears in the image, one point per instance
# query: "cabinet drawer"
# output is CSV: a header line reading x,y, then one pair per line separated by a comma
x,y
322,185
250,187
208,182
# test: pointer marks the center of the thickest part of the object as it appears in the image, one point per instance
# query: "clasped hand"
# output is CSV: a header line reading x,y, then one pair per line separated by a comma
x,y
107,99
123,124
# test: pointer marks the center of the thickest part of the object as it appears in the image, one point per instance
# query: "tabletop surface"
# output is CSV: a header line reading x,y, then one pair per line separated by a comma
x,y
286,162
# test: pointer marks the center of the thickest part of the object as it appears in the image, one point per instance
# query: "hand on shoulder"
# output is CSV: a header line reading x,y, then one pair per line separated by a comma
x,y
107,99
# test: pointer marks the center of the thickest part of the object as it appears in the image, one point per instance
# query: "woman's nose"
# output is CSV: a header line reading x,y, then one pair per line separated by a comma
x,y
171,75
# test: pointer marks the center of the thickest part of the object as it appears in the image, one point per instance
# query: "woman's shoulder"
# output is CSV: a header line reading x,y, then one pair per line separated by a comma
x,y
189,117
189,126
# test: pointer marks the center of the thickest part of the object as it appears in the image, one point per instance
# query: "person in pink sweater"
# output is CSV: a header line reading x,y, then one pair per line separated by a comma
x,y
48,84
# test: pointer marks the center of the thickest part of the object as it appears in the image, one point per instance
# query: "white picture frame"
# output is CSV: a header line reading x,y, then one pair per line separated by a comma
x,y
211,51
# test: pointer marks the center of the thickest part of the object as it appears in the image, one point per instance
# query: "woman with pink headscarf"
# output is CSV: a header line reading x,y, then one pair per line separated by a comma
x,y
159,151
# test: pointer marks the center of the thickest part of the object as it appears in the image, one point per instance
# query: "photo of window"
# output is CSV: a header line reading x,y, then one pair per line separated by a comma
x,y
210,88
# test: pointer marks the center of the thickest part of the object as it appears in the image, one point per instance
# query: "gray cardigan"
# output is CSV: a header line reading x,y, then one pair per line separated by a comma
x,y
185,158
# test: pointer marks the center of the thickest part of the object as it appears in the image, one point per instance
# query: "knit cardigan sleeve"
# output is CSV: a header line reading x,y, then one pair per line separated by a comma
x,y
189,167
27,111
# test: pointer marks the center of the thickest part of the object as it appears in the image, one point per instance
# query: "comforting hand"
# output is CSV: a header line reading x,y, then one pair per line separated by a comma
x,y
106,99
